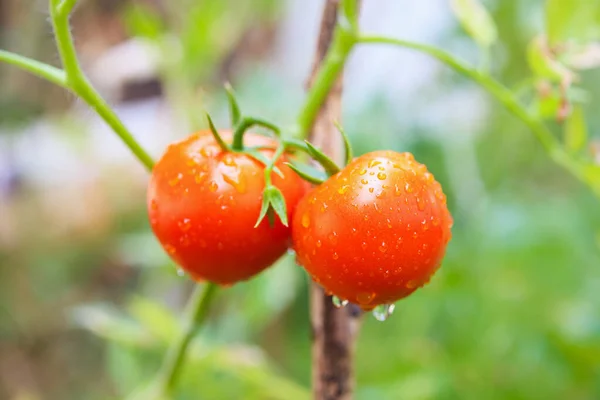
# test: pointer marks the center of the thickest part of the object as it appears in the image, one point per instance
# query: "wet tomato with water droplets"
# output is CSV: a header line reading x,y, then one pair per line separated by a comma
x,y
203,203
374,232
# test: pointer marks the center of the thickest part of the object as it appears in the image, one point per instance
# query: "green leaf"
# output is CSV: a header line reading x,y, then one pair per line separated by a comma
x,y
143,21
476,20
576,130
105,321
542,62
308,173
157,319
327,163
273,200
548,105
572,20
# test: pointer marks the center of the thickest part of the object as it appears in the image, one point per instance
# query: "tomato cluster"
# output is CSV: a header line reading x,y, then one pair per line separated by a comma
x,y
370,234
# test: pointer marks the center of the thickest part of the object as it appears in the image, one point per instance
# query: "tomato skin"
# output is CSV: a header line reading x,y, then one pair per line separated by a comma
x,y
374,232
203,204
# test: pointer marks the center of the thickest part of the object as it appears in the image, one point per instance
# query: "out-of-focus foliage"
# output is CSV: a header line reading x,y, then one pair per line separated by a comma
x,y
89,301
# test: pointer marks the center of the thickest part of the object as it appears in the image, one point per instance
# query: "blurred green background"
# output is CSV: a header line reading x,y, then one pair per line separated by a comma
x,y
89,302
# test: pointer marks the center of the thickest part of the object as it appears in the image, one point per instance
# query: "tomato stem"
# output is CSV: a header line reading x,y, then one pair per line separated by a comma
x,y
246,123
196,313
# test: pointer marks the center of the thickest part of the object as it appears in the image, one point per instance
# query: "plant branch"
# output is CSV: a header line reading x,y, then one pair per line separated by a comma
x,y
196,313
334,330
77,82
340,43
44,71
498,91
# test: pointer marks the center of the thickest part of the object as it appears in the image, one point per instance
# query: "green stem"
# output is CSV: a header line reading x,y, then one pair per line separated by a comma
x,y
45,71
552,146
500,92
80,85
196,313
343,42
244,124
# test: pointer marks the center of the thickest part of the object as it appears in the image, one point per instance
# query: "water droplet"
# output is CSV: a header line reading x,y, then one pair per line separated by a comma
x,y
338,303
365,297
428,177
408,187
238,184
415,234
381,169
305,220
362,171
381,176
213,186
229,161
170,249
333,238
371,190
343,189
371,173
374,163
420,204
319,243
364,245
180,272
185,224
176,179
184,240
291,252
383,247
335,256
412,284
200,177
364,181
383,311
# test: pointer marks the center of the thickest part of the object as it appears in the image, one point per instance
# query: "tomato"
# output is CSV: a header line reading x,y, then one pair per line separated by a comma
x,y
374,232
203,203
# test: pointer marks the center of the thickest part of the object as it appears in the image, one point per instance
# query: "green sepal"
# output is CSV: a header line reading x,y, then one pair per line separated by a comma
x,y
224,146
327,163
347,145
261,158
273,200
308,173
234,107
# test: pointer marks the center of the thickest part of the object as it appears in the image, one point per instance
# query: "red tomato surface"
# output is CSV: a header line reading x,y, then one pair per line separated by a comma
x,y
374,232
203,204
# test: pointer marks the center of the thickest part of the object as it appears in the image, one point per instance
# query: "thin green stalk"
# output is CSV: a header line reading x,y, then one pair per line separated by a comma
x,y
44,71
80,85
196,313
496,89
333,64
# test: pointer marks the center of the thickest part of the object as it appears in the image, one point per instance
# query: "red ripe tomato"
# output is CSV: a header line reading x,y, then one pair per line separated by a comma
x,y
203,204
374,232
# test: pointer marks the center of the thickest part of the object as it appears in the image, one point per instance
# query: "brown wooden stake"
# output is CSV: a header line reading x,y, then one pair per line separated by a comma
x,y
334,330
